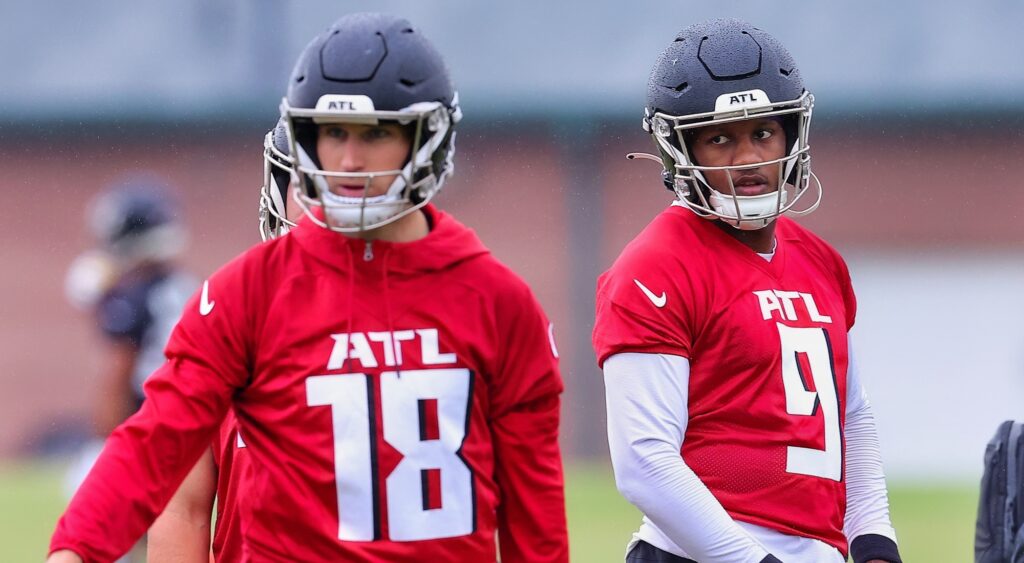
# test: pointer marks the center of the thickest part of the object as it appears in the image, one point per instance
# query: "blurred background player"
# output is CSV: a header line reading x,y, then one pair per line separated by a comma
x,y
396,386
736,419
133,286
135,290
182,532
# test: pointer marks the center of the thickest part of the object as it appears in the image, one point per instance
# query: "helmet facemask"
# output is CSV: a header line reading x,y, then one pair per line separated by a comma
x,y
429,164
278,180
688,179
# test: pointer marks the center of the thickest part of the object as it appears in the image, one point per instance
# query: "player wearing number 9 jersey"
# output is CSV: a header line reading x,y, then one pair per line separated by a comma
x,y
736,420
396,386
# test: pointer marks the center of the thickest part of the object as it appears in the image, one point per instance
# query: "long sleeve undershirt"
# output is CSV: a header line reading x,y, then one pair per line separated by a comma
x,y
646,396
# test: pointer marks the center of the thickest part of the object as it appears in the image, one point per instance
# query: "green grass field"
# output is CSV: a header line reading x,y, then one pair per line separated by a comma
x,y
935,523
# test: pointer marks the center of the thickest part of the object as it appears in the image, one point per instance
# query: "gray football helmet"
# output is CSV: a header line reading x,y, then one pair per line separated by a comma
x,y
723,71
368,68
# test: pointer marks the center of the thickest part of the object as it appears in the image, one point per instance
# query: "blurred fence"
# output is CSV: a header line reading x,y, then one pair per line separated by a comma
x,y
931,224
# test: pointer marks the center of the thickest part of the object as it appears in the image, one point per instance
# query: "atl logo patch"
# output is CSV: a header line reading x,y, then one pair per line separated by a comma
x,y
345,103
748,99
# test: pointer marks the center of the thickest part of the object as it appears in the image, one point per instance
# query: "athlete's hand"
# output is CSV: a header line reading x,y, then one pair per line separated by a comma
x,y
64,556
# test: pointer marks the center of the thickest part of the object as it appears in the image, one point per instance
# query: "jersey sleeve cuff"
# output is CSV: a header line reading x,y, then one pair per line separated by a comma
x,y
874,546
668,350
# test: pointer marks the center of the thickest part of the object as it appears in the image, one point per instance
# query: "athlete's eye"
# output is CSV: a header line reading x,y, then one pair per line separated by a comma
x,y
377,133
762,134
718,140
335,131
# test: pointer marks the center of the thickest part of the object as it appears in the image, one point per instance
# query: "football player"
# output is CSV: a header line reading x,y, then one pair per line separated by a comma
x,y
135,290
395,385
133,286
736,419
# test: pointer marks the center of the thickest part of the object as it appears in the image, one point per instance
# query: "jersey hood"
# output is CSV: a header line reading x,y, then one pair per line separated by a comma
x,y
448,244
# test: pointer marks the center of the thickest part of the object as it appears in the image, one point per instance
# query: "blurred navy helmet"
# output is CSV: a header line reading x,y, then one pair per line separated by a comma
x,y
137,220
278,173
722,71
368,68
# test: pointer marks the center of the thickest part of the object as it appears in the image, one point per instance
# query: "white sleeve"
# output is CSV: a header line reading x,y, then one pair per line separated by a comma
x,y
646,397
867,503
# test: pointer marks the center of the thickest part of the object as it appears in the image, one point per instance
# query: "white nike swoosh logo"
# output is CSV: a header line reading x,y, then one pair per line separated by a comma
x,y
551,340
658,300
205,305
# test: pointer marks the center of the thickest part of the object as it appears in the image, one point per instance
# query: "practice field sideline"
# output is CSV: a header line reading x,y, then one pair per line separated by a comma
x,y
935,522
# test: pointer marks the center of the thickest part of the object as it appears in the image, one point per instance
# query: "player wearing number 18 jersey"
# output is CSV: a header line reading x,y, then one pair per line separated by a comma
x,y
736,420
396,386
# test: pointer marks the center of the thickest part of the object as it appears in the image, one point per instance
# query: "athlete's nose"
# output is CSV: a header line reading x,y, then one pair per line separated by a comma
x,y
352,157
747,152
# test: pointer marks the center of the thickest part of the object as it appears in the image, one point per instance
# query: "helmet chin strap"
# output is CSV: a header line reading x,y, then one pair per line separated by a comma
x,y
756,206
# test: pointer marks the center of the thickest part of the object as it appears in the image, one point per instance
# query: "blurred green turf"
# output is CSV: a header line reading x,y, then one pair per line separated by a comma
x,y
30,502
935,523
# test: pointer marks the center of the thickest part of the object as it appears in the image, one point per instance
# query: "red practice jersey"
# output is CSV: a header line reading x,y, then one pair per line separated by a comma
x,y
398,402
767,345
232,460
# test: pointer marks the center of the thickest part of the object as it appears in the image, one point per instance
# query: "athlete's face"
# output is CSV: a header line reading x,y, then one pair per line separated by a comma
x,y
349,147
741,143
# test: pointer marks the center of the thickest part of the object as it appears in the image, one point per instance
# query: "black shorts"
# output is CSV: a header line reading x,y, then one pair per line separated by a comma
x,y
644,552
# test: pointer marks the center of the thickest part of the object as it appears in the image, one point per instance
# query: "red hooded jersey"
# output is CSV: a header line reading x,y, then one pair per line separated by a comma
x,y
398,401
767,345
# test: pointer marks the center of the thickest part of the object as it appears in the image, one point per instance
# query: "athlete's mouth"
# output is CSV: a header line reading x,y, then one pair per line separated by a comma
x,y
348,190
751,185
